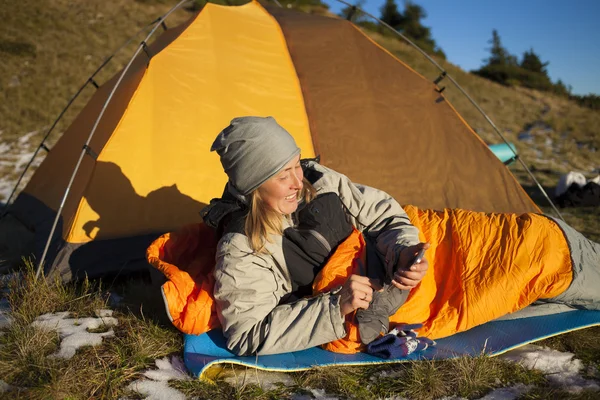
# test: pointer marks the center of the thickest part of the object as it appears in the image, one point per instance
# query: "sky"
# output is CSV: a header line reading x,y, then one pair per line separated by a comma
x,y
564,33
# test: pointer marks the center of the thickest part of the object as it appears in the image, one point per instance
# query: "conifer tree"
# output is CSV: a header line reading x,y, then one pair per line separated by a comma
x,y
499,55
414,29
533,63
409,24
390,15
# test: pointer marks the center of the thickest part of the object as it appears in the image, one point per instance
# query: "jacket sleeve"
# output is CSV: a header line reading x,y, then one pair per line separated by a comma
x,y
375,213
253,322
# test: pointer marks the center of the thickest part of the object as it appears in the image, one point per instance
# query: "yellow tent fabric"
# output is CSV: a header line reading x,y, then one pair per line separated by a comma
x,y
192,89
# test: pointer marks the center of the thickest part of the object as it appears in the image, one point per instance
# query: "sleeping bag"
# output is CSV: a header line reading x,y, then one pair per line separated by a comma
x,y
482,266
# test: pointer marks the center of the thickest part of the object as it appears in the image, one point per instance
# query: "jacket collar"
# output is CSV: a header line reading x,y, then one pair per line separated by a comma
x,y
231,201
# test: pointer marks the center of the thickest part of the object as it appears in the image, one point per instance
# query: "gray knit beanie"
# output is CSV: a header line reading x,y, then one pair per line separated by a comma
x,y
253,149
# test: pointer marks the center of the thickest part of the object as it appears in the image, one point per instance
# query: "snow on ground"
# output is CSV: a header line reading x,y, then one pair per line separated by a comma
x,y
508,393
157,386
14,156
175,369
74,331
318,394
562,369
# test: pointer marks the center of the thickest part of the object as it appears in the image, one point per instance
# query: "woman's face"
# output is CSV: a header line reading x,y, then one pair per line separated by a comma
x,y
281,191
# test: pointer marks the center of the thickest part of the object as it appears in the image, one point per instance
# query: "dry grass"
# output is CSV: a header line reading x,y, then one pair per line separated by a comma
x,y
105,371
52,47
30,297
94,372
48,51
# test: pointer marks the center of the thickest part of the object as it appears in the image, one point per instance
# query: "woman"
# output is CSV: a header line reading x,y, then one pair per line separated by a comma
x,y
279,220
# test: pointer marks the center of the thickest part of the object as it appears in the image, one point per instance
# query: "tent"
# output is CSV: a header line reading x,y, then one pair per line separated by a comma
x,y
147,168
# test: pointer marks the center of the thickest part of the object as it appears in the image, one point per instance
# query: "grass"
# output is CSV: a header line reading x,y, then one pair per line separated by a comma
x,y
140,338
94,372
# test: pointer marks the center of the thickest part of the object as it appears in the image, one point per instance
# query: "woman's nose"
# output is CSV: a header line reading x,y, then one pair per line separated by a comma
x,y
296,180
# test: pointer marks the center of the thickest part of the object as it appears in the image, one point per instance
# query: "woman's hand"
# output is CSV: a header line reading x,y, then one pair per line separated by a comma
x,y
357,293
408,275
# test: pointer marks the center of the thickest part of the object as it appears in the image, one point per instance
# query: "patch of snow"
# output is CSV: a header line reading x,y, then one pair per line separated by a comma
x,y
168,370
318,394
103,313
21,160
562,369
508,393
24,140
15,155
74,331
6,189
394,373
154,390
158,387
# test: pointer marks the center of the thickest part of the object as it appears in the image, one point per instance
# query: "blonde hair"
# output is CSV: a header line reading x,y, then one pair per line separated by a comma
x,y
262,221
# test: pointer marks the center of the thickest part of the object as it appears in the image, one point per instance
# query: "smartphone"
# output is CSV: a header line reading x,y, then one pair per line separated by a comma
x,y
418,257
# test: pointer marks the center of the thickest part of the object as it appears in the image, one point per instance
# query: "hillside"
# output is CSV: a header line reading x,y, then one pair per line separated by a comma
x,y
49,49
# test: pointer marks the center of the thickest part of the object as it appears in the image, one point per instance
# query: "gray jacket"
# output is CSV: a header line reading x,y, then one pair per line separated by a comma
x,y
249,286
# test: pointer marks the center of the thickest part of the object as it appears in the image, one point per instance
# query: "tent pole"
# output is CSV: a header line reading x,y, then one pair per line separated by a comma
x,y
445,73
85,148
62,113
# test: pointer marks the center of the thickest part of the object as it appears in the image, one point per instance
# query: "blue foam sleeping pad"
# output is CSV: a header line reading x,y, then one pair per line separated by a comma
x,y
204,351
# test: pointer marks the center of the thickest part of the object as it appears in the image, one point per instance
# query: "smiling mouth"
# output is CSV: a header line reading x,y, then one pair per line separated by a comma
x,y
291,197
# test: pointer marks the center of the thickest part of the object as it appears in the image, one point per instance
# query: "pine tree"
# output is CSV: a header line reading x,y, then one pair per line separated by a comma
x,y
390,15
411,24
533,63
499,55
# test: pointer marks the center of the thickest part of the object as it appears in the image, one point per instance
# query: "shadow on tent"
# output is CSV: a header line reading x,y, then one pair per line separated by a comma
x,y
120,239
